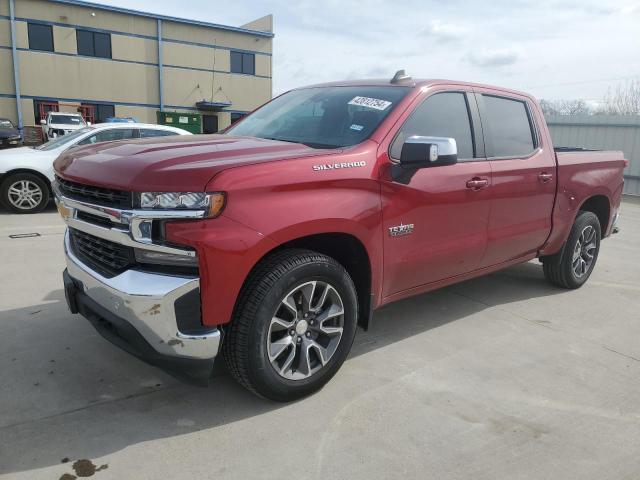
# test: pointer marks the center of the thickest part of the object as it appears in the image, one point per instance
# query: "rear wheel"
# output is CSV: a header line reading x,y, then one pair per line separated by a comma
x,y
293,327
572,266
24,193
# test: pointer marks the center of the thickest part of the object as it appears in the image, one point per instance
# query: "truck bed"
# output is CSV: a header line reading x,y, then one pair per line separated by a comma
x,y
582,174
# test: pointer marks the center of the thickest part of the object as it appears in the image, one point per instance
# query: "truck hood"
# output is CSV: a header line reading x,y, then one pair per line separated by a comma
x,y
165,164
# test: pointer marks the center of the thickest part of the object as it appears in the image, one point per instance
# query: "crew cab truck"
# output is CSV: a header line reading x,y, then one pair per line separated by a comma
x,y
269,244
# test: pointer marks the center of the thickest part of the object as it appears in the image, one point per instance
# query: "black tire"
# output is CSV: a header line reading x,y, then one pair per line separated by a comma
x,y
559,268
245,341
32,179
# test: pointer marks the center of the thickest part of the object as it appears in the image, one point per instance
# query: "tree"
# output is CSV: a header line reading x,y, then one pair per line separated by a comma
x,y
624,100
564,107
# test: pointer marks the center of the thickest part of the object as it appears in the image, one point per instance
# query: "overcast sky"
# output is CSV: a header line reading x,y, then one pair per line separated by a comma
x,y
551,48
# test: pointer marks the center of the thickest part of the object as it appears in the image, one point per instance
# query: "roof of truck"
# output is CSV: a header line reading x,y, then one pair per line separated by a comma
x,y
414,83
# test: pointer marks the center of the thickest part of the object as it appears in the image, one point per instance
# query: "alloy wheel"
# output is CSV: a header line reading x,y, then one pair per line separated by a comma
x,y
24,194
305,330
584,251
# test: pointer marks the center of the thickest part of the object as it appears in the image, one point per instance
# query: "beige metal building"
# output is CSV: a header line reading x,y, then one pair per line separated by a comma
x,y
67,54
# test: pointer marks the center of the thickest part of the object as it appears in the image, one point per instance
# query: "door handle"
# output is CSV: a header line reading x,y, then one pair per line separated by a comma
x,y
477,183
545,177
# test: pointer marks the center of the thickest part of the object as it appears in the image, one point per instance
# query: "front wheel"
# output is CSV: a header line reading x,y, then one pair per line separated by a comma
x,y
24,193
571,267
293,326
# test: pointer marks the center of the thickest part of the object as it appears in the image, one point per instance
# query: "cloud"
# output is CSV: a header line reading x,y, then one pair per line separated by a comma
x,y
493,58
442,32
561,40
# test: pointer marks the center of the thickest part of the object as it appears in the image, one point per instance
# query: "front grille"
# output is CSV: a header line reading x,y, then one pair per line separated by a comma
x,y
96,195
108,258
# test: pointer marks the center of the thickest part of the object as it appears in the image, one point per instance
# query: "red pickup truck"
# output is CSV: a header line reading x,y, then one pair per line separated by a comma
x,y
269,244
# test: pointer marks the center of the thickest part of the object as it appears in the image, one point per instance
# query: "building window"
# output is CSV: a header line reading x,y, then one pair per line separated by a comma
x,y
40,37
93,44
100,112
243,63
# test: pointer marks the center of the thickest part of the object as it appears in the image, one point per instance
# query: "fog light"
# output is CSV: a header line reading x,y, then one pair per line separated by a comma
x,y
161,258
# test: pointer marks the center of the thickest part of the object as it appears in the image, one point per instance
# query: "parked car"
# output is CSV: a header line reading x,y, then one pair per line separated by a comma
x,y
9,135
26,173
271,243
57,124
120,120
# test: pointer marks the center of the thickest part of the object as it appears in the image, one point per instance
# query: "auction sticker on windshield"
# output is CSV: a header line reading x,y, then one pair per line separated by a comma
x,y
367,102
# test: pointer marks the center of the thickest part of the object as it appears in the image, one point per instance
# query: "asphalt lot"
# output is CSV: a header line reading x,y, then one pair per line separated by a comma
x,y
503,377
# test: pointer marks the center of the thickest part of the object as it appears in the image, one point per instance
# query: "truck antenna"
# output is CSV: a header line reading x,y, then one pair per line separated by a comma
x,y
401,77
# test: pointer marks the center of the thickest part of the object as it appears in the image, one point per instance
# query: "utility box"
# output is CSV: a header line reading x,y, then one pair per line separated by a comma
x,y
191,122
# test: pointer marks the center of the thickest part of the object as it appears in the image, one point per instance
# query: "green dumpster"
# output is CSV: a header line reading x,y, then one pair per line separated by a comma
x,y
191,122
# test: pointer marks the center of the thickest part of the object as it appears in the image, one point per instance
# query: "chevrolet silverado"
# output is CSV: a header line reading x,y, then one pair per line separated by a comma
x,y
269,244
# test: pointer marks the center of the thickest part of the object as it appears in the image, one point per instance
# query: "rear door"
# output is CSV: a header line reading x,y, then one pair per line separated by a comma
x,y
523,170
435,223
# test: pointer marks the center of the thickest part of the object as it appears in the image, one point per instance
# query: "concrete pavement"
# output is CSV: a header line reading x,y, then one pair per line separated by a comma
x,y
502,377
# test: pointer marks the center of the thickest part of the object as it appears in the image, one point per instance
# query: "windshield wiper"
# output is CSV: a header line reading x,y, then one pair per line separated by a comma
x,y
308,144
280,139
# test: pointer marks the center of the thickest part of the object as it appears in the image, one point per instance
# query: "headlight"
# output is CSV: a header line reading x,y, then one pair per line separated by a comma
x,y
212,203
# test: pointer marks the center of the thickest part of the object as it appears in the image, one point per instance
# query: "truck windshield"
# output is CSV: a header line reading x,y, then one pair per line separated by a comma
x,y
322,117
66,120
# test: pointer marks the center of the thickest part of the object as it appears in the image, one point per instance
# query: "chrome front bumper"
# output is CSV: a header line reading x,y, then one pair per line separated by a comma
x,y
139,302
147,302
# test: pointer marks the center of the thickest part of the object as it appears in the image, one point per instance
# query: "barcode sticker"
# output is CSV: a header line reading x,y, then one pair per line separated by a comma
x,y
367,102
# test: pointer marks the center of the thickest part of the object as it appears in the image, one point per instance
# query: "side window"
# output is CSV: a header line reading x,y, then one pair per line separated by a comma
x,y
109,136
147,133
441,115
508,126
40,37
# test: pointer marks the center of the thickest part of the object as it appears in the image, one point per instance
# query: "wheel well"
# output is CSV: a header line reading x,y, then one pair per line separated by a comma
x,y
599,205
46,181
351,254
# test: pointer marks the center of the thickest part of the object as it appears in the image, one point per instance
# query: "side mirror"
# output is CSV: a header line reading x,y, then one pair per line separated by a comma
x,y
422,152
43,122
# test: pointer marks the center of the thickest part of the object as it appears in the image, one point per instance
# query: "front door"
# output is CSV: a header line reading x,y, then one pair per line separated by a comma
x,y
209,124
524,184
435,224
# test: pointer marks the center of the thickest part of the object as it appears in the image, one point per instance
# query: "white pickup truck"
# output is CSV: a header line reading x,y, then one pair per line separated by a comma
x,y
60,123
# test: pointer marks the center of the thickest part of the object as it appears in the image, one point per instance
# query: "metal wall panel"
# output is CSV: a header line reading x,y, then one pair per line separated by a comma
x,y
602,132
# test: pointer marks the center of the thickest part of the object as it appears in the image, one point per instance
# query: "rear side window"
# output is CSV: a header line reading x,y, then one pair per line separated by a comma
x,y
148,132
109,136
441,115
509,126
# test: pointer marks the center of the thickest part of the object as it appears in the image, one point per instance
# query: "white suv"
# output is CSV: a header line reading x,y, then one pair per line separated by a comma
x,y
26,173
60,123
